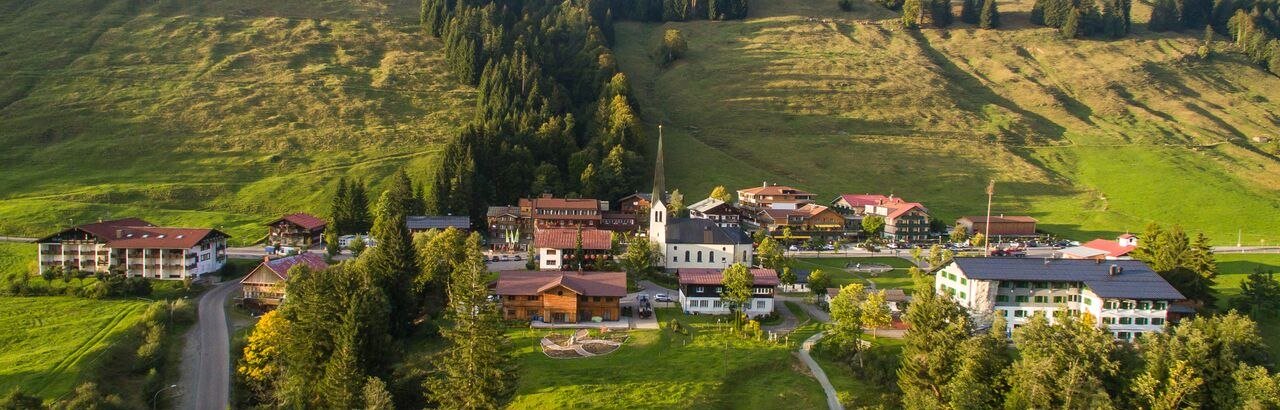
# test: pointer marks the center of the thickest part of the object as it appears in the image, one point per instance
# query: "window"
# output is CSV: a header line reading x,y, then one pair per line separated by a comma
x,y
963,295
759,304
1144,305
1109,320
699,289
715,303
699,256
1126,321
1019,313
711,256
1140,321
551,262
1042,299
1002,298
511,297
719,290
1059,299
1020,299
1024,285
204,257
534,297
1159,321
951,276
1087,301
686,256
964,281
1042,285
551,251
595,299
1108,304
1128,304
1006,285
1122,335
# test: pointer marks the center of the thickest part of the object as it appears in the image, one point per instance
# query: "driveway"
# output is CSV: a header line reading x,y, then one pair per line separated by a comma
x,y
206,362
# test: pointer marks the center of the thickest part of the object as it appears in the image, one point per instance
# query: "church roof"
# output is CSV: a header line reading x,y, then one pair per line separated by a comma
x,y
704,231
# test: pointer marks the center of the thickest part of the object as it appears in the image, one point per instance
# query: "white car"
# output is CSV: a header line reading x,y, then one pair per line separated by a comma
x,y
661,297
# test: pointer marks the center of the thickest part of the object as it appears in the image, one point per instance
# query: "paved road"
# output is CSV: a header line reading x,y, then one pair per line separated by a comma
x,y
206,362
833,399
16,239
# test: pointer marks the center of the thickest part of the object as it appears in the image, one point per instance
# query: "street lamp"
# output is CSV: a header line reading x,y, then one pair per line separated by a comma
x,y
157,395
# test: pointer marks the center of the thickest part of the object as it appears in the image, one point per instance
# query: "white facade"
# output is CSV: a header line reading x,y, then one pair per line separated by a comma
x,y
688,255
549,258
1019,301
715,306
152,263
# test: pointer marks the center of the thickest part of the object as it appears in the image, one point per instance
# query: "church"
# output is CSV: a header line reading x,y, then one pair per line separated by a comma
x,y
688,243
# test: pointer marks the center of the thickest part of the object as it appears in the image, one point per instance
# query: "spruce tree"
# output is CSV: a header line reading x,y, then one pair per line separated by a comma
x,y
471,372
990,17
331,240
979,381
358,207
969,10
339,208
940,13
1062,365
1037,11
376,396
342,375
1164,17
1071,28
392,264
936,327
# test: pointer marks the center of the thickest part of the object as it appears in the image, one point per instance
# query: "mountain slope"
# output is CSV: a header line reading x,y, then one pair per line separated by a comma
x,y
1091,137
217,113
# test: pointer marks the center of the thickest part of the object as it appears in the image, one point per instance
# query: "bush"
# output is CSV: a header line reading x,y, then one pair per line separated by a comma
x,y
676,327
673,47
846,5
183,311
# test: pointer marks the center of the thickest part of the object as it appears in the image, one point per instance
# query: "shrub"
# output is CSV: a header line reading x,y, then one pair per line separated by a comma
x,y
846,5
184,312
673,46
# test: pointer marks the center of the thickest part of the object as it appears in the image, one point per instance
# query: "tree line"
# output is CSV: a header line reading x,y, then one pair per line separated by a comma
x,y
338,341
681,10
1255,27
1085,18
553,113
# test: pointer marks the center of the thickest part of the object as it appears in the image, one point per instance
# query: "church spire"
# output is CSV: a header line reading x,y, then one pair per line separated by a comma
x,y
659,179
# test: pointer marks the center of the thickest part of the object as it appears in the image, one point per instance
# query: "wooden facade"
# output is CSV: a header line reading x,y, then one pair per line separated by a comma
x,y
553,297
263,286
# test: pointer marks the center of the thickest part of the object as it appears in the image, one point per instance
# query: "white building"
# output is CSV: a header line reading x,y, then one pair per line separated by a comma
x,y
701,290
135,248
1125,296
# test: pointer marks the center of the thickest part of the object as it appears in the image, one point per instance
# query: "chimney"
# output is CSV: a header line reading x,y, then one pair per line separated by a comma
x,y
266,258
1114,270
119,233
764,184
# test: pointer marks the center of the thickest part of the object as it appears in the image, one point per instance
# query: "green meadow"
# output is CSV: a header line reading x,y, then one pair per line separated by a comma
x,y
47,343
1091,137
220,113
898,278
665,369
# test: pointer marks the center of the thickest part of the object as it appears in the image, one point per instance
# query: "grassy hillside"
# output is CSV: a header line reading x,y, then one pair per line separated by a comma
x,y
1091,137
46,343
210,113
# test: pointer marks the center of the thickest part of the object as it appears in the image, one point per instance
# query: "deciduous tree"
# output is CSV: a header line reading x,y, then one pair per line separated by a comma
x,y
737,281
722,194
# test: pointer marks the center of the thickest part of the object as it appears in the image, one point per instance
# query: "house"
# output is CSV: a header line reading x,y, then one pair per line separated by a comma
x,y
300,230
701,289
636,204
508,231
903,221
773,196
556,248
723,213
423,223
619,222
690,242
1126,296
561,297
807,221
549,212
1103,249
135,247
264,285
999,225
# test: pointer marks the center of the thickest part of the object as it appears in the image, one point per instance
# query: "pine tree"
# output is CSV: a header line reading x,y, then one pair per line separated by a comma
x,y
343,376
979,380
1211,348
1259,294
1038,10
339,208
936,327
331,240
1063,365
376,396
392,263
1071,27
990,16
1056,12
1164,17
358,207
471,372
1200,258
940,13
912,13
969,10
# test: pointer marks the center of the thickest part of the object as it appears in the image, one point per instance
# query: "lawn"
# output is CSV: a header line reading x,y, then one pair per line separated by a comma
x,y
1081,134
46,343
222,113
662,369
854,391
898,278
16,258
1232,270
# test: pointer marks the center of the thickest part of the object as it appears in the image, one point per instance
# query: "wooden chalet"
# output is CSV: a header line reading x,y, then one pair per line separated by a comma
x,y
264,285
561,297
300,230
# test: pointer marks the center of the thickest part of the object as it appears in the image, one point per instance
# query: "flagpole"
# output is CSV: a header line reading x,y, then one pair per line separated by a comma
x,y
986,240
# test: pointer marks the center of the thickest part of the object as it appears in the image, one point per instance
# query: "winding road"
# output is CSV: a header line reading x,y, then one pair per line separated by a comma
x,y
206,361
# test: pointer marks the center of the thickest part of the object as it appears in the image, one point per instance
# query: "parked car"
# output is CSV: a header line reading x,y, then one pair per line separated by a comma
x,y
794,248
661,297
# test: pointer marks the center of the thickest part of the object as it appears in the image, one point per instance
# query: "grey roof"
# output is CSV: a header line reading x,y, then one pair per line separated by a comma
x,y
437,222
704,231
1135,280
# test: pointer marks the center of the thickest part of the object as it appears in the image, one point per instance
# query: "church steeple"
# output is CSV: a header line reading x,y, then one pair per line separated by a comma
x,y
659,179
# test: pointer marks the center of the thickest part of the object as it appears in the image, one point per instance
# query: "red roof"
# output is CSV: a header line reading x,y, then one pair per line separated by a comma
x,y
711,276
560,203
304,220
903,208
858,201
1112,248
582,283
560,238
137,233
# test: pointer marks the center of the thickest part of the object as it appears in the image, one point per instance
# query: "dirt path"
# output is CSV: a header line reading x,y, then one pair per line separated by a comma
x,y
206,362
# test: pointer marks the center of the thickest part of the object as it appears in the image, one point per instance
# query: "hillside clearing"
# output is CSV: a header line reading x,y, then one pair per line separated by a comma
x,y
46,343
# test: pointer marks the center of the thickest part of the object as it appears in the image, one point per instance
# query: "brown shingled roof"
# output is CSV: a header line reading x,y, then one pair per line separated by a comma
x,y
712,276
137,233
302,219
583,283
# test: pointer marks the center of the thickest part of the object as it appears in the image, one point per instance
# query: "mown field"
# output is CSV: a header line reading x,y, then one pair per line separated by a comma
x,y
218,113
1233,269
662,369
46,343
1091,137
898,278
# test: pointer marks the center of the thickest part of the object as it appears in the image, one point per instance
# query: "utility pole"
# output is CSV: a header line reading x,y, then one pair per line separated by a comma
x,y
986,240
